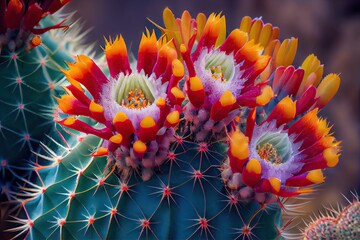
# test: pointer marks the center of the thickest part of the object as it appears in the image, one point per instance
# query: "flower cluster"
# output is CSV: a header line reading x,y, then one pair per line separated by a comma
x,y
283,145
19,18
240,89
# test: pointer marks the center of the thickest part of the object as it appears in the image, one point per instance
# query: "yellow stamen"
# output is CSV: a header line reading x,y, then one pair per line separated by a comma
x,y
217,74
136,99
269,153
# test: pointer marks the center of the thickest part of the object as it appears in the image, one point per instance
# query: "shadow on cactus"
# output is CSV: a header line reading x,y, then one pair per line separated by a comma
x,y
156,162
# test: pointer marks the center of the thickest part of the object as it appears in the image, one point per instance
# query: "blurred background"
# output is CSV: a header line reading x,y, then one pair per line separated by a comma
x,y
329,29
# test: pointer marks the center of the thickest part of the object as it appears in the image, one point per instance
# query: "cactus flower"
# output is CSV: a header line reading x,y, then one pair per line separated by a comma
x,y
281,156
138,109
222,71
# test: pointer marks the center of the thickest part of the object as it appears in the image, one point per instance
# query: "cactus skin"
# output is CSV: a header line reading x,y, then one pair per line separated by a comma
x,y
30,78
81,199
344,225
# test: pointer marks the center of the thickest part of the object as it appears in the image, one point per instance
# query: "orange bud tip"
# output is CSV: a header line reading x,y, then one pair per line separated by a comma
x,y
69,121
275,184
266,95
147,122
253,166
196,84
100,152
161,102
327,89
173,118
315,176
117,139
178,95
227,99
120,117
96,108
178,68
183,48
35,41
139,147
331,156
305,190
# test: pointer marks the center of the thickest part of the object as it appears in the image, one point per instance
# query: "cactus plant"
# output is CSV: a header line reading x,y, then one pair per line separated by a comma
x,y
156,163
30,77
81,198
337,224
32,49
29,66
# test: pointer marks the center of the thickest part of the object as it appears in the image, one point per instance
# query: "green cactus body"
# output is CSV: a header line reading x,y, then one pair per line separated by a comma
x,y
30,79
185,198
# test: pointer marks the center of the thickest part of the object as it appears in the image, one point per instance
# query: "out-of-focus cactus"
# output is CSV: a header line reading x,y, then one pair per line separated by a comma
x,y
159,165
337,224
30,77
32,50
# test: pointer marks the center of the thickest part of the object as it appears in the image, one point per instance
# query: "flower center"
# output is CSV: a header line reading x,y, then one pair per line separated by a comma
x,y
274,148
220,66
136,99
133,91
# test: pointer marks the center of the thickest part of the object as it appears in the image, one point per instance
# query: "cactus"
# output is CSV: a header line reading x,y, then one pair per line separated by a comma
x,y
32,50
187,143
81,198
338,224
30,69
30,78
